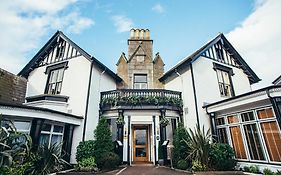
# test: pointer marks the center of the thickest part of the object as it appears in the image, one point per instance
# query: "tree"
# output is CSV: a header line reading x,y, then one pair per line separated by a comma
x,y
103,142
180,149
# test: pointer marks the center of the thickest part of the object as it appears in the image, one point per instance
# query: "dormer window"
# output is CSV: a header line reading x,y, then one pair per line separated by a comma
x,y
55,78
140,81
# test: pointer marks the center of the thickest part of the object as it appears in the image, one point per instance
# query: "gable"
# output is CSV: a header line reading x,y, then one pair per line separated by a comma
x,y
219,49
59,48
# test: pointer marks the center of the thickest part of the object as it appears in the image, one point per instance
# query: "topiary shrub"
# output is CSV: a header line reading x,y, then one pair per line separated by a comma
x,y
85,150
87,164
103,142
109,161
246,169
267,171
182,165
198,166
221,157
180,151
254,169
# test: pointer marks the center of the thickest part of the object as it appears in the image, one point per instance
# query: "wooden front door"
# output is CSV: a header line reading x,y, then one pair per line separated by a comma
x,y
140,144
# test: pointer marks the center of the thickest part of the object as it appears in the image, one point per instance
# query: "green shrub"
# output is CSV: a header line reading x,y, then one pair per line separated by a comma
x,y
103,142
85,150
254,169
108,161
267,171
246,169
87,164
198,166
182,164
277,172
180,150
222,157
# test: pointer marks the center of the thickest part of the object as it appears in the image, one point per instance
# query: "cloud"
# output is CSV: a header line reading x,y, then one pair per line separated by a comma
x,y
258,40
158,8
25,22
122,23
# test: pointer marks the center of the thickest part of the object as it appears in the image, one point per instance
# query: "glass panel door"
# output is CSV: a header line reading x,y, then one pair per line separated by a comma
x,y
140,145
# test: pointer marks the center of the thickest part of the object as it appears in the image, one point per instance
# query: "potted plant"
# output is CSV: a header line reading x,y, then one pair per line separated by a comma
x,y
120,121
164,122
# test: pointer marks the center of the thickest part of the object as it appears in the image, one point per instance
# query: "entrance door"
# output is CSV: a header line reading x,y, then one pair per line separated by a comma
x,y
140,144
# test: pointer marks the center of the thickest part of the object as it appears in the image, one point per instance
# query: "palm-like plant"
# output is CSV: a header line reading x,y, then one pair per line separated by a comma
x,y
47,160
14,146
198,144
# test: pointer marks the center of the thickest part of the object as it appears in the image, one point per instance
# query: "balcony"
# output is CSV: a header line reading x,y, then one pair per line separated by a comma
x,y
141,99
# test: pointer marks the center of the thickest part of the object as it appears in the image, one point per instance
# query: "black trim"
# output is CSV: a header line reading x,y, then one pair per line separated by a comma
x,y
276,80
242,95
186,62
194,94
128,139
56,66
67,141
60,98
39,109
35,132
276,104
155,160
87,102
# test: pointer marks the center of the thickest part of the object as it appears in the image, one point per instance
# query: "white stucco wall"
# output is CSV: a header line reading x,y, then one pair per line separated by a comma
x,y
183,83
100,82
206,87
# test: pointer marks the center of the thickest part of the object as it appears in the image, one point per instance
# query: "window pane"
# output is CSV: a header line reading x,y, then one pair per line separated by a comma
x,y
56,139
247,116
220,121
58,129
226,77
254,143
265,113
46,127
44,139
222,135
219,73
237,142
60,75
272,139
232,119
22,125
140,78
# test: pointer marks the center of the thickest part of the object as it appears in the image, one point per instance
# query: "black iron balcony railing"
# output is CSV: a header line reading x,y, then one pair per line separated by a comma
x,y
140,97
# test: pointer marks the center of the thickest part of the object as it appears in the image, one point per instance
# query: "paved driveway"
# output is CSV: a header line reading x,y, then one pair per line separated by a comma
x,y
145,170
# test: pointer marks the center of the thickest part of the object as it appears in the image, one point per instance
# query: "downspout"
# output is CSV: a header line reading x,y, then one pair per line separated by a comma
x,y
194,94
87,102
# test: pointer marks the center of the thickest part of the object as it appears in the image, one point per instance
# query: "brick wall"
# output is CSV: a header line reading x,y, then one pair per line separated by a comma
x,y
12,87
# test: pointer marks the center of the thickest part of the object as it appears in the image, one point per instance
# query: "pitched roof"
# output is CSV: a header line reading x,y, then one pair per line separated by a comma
x,y
277,80
193,57
39,56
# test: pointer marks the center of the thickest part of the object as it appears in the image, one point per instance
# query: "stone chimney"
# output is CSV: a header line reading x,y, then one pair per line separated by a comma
x,y
140,34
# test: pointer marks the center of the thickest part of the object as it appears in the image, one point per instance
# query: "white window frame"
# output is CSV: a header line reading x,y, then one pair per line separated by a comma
x,y
51,132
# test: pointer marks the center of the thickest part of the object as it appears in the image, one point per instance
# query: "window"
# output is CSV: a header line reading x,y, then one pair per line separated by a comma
x,y
253,141
222,135
55,81
21,126
51,134
232,119
224,83
140,81
247,116
237,142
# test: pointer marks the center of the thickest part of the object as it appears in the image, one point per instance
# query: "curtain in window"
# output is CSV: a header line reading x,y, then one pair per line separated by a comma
x,y
272,139
237,142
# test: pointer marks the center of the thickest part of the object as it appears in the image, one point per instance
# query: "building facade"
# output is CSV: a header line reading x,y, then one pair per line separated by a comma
x,y
68,90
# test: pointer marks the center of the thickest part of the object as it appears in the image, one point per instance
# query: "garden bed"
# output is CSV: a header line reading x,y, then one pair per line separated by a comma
x,y
219,173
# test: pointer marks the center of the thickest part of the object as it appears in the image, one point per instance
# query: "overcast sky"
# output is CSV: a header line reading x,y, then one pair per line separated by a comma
x,y
178,28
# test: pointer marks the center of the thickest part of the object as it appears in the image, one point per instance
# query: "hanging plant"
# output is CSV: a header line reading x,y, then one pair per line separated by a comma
x,y
164,121
120,121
